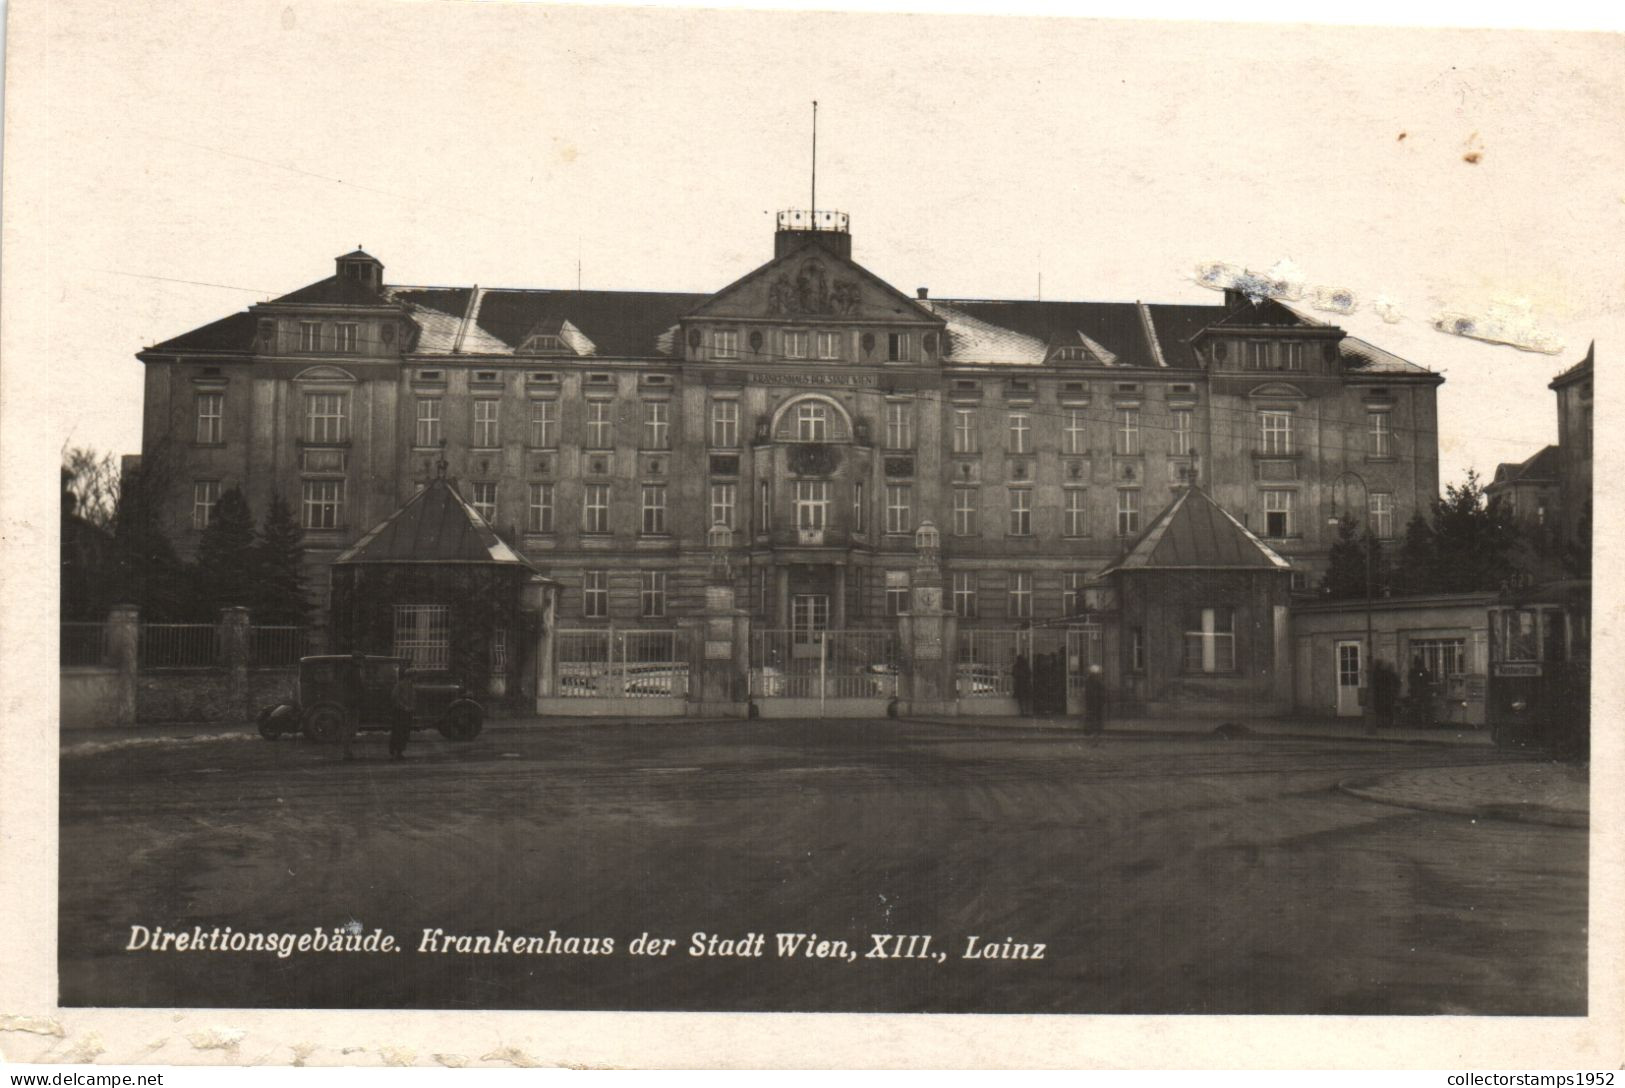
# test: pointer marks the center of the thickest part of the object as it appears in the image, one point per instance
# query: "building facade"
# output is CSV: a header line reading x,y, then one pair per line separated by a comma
x,y
816,414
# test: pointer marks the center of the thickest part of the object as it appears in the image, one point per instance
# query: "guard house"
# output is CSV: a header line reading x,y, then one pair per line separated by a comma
x,y
434,583
1202,614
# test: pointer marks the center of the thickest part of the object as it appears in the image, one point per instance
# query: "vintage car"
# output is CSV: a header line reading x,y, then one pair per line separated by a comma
x,y
440,701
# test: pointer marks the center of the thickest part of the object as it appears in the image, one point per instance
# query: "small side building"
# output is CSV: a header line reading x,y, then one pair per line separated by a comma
x,y
433,582
1201,604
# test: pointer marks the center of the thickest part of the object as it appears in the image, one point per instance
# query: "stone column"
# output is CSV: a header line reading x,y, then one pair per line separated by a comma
x,y
719,642
123,638
234,635
782,574
928,633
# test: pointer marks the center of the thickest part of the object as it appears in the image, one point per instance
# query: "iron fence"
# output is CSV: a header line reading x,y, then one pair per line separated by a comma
x,y
607,662
179,646
806,663
83,644
275,647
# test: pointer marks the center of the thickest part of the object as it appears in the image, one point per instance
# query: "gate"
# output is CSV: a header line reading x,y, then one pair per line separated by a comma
x,y
1057,660
1084,647
807,671
608,663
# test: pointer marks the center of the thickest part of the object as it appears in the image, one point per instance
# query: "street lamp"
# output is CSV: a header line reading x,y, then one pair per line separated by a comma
x,y
1369,659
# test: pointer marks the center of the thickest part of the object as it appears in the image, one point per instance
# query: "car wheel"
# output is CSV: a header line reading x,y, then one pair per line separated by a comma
x,y
324,722
266,729
463,722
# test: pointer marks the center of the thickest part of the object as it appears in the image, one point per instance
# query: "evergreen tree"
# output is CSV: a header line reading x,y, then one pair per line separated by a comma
x,y
279,562
1346,574
148,572
226,558
1474,540
1413,568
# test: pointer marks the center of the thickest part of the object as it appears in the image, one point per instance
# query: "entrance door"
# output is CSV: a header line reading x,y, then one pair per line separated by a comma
x,y
809,619
1349,675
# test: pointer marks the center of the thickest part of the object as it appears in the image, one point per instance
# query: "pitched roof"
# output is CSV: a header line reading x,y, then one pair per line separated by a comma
x,y
1195,533
334,291
1542,467
234,332
1022,330
434,526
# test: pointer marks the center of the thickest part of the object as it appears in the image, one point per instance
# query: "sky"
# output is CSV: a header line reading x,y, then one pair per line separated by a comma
x,y
199,158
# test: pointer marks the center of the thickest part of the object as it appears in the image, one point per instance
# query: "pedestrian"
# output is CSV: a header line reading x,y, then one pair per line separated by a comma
x,y
355,686
1094,701
403,706
1021,684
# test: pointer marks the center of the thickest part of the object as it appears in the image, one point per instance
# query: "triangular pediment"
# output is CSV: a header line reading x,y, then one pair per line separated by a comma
x,y
811,283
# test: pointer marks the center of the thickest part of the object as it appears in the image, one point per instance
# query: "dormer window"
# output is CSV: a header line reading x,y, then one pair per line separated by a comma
x,y
543,344
1073,355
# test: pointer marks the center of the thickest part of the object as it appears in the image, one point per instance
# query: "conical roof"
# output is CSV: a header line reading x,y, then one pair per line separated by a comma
x,y
434,526
1196,533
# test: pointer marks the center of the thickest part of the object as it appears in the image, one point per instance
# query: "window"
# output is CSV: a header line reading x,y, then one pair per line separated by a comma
x,y
1292,355
483,498
965,506
723,499
344,337
964,430
1210,640
725,344
210,407
600,426
1021,595
544,424
1382,515
326,416
812,422
764,506
1128,512
541,508
1278,519
595,508
205,495
1258,354
795,343
829,345
896,592
1379,425
1077,512
485,424
1021,511
1073,599
423,635
1128,432
725,424
1136,649
1276,432
899,348
656,425
812,504
1182,430
595,594
652,595
1076,434
899,426
323,504
1020,432
428,429
654,509
310,336
859,507
499,651
965,596
1443,657
898,499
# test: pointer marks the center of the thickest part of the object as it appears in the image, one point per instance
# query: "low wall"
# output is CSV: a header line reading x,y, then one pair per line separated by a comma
x,y
89,698
187,696
554,706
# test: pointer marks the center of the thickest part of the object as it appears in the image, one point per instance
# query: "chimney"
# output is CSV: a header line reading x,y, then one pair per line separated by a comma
x,y
922,293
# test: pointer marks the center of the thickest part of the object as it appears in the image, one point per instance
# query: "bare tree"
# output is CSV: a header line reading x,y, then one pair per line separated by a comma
x,y
96,483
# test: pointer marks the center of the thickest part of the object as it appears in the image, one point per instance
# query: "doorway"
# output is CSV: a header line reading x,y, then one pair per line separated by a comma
x,y
1350,678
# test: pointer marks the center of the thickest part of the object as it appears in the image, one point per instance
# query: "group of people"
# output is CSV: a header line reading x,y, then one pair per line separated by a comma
x,y
1040,685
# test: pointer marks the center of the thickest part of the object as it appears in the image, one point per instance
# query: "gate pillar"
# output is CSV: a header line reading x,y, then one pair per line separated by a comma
x,y
928,634
720,648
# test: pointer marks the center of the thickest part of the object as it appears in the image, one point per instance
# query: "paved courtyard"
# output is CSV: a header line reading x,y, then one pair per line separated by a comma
x,y
1160,874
